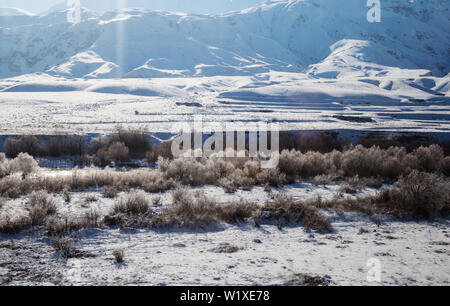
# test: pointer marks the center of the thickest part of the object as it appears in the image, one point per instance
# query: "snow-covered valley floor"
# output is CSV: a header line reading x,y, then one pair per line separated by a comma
x,y
40,104
406,252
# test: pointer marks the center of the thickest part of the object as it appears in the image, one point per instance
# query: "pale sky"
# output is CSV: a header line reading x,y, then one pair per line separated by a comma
x,y
189,6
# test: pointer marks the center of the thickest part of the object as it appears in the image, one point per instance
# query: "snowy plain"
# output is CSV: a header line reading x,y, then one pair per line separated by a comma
x,y
409,252
299,63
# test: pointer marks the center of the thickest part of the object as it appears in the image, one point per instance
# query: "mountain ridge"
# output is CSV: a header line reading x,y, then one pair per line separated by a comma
x,y
313,37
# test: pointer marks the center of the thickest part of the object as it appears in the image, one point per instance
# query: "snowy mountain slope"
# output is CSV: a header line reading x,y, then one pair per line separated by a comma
x,y
191,6
11,11
286,36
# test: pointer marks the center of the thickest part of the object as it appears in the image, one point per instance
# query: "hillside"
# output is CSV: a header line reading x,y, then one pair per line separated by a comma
x,y
10,11
317,37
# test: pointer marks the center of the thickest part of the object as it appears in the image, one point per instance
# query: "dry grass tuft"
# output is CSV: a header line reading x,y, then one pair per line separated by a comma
x,y
110,192
132,204
364,162
23,163
188,211
116,152
119,255
65,247
419,194
42,205
14,226
226,248
307,280
164,150
285,210
197,211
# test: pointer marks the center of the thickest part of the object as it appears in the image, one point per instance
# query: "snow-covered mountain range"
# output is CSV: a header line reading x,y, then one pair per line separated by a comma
x,y
323,38
12,11
191,6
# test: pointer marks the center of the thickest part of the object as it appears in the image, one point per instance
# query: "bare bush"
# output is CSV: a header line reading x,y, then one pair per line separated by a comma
x,y
22,163
445,166
187,211
90,198
91,219
119,255
307,280
228,185
319,142
428,158
42,206
137,141
365,162
134,203
66,248
64,145
148,180
164,150
284,210
198,211
195,210
12,226
191,171
116,152
110,192
66,226
420,194
66,195
22,144
236,212
58,227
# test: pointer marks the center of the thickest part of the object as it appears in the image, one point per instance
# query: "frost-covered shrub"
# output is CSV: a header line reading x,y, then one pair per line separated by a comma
x,y
428,158
11,226
65,246
2,158
134,203
445,166
191,171
163,150
137,141
284,210
119,255
228,185
22,144
418,193
116,152
110,192
196,210
314,163
24,163
42,205
60,145
291,163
